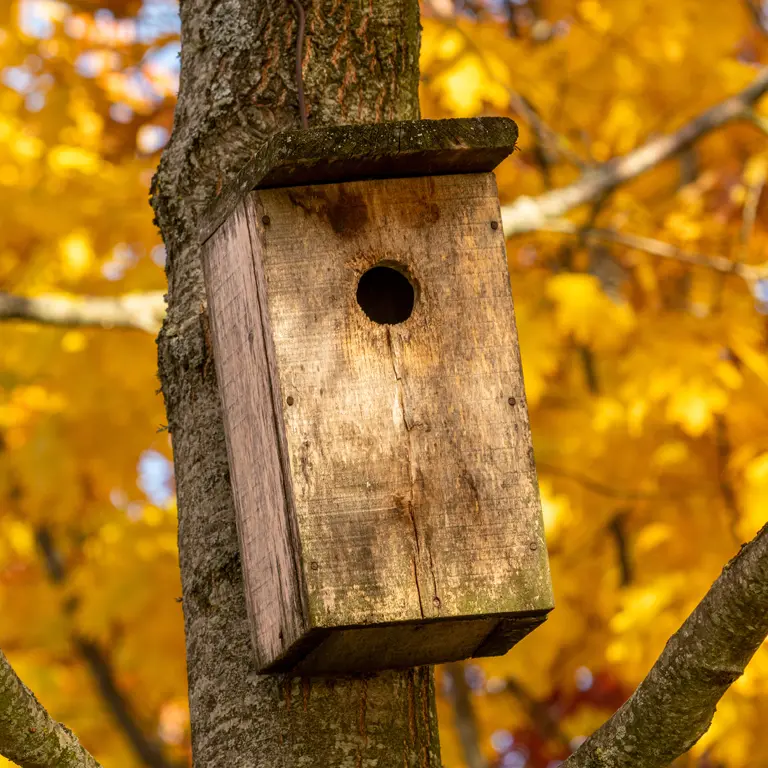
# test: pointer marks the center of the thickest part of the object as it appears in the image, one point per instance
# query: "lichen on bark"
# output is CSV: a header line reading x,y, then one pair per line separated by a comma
x,y
29,736
360,65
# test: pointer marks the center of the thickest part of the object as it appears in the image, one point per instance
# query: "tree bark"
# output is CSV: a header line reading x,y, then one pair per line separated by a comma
x,y
674,705
360,64
29,736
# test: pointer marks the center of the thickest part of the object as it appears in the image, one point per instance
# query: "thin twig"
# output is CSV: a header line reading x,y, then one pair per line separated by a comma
x,y
749,272
464,717
528,214
758,15
751,204
538,713
517,102
147,750
595,486
618,529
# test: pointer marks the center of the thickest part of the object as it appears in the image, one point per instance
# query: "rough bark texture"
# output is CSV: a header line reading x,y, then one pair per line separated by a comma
x,y
29,736
674,706
237,88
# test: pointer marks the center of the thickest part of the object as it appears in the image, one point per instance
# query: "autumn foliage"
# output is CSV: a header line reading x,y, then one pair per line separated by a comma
x,y
646,375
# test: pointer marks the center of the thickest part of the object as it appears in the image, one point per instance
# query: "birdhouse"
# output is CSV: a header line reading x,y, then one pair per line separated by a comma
x,y
377,433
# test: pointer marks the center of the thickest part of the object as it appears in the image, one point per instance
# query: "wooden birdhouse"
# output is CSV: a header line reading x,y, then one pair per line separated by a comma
x,y
377,432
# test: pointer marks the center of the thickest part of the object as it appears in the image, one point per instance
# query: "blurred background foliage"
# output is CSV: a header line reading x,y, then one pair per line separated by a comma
x,y
647,376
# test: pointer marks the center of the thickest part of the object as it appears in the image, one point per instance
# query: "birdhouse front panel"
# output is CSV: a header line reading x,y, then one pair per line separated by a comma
x,y
375,413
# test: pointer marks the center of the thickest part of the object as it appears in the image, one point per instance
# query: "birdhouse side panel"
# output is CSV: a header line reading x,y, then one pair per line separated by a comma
x,y
263,505
409,443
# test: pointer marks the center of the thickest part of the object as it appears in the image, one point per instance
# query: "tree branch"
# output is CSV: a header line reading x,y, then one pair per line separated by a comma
x,y
538,713
758,15
673,707
593,485
141,311
617,527
528,214
464,717
29,736
544,134
748,272
146,749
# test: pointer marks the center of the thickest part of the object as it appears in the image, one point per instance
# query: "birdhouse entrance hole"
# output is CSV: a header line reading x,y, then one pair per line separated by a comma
x,y
386,295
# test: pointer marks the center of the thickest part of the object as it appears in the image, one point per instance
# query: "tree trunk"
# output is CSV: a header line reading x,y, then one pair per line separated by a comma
x,y
238,86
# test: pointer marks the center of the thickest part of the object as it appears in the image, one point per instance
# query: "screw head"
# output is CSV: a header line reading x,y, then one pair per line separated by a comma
x,y
290,400
314,565
533,546
512,401
265,220
494,225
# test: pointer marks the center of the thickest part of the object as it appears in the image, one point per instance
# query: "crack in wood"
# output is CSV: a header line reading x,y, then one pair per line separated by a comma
x,y
412,469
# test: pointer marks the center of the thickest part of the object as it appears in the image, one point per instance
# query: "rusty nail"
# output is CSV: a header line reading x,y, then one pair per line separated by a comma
x,y
494,225
512,401
265,220
290,400
313,565
533,546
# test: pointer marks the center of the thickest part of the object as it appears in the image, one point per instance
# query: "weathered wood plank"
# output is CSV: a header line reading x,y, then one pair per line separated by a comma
x,y
268,545
408,445
368,151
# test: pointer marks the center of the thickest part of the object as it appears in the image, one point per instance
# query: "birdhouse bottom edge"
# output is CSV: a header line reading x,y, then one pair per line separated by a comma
x,y
371,648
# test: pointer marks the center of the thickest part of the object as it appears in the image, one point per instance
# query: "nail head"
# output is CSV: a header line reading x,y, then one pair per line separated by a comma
x,y
265,220
494,225
290,400
512,401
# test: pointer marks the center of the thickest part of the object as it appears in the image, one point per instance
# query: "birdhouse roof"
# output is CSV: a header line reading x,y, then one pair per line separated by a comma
x,y
367,151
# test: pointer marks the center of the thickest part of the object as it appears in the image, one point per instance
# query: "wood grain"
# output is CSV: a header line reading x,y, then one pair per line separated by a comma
x,y
367,151
408,446
268,542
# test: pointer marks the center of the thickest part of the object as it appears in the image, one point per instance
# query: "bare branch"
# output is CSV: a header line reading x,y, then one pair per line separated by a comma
x,y
464,717
528,214
141,311
147,750
759,16
538,713
749,272
593,485
617,527
29,736
673,707
543,132
751,205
